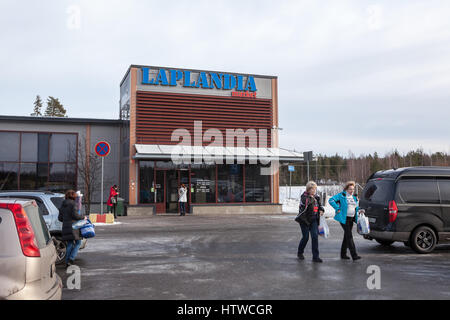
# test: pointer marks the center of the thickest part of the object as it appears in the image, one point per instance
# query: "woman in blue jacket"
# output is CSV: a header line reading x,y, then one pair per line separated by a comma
x,y
346,206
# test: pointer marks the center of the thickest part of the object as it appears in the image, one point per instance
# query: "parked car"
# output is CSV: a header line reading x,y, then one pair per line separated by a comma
x,y
411,205
27,253
49,204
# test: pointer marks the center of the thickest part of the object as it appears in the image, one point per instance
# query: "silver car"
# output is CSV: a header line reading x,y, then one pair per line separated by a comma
x,y
27,253
49,204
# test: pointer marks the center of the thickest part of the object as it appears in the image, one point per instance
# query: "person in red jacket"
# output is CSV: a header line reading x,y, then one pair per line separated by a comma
x,y
112,199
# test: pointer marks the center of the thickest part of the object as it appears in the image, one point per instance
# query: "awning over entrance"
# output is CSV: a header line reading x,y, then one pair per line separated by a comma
x,y
159,151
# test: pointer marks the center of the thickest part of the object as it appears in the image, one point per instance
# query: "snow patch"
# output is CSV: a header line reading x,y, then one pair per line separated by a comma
x,y
106,224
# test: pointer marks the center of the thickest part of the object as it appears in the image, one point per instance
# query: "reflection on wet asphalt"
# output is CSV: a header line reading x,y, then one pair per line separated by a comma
x,y
245,257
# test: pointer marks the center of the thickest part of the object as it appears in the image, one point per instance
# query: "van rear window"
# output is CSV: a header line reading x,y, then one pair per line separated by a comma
x,y
378,190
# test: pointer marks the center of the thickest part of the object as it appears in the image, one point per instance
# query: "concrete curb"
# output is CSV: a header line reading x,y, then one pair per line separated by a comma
x,y
101,218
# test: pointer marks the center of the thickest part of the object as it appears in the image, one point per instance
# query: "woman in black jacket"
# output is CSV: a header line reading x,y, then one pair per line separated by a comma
x,y
309,212
68,215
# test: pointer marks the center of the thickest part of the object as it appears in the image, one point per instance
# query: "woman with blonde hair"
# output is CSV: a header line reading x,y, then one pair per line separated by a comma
x,y
309,211
346,205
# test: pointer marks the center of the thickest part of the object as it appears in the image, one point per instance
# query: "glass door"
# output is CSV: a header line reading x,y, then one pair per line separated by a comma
x,y
172,184
159,191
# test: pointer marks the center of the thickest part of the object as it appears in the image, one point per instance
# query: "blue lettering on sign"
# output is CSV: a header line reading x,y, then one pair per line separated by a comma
x,y
162,78
216,80
202,81
187,79
222,81
175,75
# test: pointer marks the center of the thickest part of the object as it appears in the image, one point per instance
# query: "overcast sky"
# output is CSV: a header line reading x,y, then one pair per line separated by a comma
x,y
353,75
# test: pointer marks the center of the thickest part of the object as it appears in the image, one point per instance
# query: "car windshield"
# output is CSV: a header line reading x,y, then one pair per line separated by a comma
x,y
57,201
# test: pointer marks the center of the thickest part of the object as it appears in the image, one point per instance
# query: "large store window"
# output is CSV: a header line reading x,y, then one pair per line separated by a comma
x,y
33,176
62,148
38,161
230,183
146,186
257,186
203,183
9,176
9,146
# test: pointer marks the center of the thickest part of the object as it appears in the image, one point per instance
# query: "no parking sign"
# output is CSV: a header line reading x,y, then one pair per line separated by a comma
x,y
102,149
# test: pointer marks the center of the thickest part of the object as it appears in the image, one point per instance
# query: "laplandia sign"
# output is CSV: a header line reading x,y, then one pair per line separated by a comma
x,y
205,80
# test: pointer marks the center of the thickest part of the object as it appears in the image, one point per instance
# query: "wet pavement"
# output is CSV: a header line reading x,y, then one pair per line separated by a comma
x,y
245,257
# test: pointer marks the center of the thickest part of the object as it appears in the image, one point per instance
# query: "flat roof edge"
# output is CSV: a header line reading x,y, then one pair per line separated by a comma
x,y
58,119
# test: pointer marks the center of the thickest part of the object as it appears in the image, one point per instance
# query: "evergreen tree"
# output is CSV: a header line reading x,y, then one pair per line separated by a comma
x,y
54,108
37,107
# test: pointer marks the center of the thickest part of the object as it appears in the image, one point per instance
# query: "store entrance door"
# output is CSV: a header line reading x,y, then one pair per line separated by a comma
x,y
166,188
160,198
172,183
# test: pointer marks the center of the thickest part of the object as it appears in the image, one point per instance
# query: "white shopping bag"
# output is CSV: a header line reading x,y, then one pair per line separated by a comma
x,y
78,224
363,226
324,230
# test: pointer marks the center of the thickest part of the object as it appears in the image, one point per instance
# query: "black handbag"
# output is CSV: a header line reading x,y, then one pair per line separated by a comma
x,y
301,218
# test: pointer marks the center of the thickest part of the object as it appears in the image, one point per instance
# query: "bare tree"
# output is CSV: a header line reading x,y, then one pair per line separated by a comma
x,y
89,171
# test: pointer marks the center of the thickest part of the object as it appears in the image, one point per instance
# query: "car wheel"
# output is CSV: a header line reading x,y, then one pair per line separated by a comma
x,y
60,246
384,242
423,240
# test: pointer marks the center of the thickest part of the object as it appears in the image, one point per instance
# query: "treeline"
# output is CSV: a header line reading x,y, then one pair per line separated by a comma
x,y
337,169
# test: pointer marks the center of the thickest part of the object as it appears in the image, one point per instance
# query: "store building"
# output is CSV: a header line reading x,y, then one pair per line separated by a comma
x,y
214,132
43,154
228,126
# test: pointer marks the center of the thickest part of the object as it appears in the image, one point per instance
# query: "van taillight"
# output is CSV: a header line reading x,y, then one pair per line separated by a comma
x,y
24,230
393,211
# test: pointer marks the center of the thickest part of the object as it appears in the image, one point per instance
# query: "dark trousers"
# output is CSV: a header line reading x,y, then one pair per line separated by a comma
x,y
112,209
313,228
347,242
182,208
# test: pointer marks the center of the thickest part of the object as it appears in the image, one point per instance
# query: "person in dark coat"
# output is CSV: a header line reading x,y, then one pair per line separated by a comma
x,y
68,215
309,212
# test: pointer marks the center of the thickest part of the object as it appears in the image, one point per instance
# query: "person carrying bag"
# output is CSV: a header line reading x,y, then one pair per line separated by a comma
x,y
346,205
112,200
310,210
69,215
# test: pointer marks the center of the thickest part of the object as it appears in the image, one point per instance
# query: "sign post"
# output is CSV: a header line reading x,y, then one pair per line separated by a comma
x,y
291,169
102,149
308,157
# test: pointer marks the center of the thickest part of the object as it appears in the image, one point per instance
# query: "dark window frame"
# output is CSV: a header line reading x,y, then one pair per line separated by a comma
x,y
48,163
244,165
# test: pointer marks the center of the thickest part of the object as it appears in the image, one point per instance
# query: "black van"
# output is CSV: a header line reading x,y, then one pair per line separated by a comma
x,y
411,205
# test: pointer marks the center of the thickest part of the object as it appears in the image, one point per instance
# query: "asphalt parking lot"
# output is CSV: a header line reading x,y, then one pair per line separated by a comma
x,y
245,257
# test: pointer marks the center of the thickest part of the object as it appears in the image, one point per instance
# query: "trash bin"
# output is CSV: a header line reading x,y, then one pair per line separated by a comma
x,y
120,207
